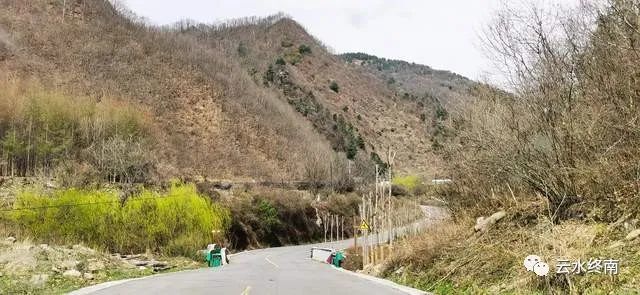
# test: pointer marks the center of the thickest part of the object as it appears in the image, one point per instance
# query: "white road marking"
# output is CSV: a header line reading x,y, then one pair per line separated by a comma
x,y
272,263
246,290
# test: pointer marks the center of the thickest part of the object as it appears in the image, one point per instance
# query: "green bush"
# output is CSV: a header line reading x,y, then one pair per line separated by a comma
x,y
268,214
304,49
334,86
293,57
178,222
271,218
409,182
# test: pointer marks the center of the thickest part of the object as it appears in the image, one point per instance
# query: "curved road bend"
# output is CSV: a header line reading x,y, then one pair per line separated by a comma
x,y
282,270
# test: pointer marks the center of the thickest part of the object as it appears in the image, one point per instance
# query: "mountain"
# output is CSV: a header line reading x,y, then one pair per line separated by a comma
x,y
411,79
253,98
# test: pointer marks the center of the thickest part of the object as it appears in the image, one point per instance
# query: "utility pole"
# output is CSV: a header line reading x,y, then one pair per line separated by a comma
x,y
324,225
342,235
331,174
64,9
390,157
331,228
338,229
355,233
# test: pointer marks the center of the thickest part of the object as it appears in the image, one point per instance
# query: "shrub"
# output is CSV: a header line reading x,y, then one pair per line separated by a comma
x,y
242,50
304,49
269,76
293,57
409,182
178,222
280,61
334,86
271,218
382,166
41,130
268,214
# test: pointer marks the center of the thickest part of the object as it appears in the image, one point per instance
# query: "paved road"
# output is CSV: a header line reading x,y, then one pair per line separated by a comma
x,y
283,270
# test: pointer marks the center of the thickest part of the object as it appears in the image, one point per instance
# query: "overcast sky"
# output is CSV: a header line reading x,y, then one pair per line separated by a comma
x,y
443,34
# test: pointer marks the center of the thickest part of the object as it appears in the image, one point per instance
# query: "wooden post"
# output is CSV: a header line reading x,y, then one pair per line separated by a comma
x,y
355,233
342,235
338,228
64,9
390,158
324,225
364,249
331,228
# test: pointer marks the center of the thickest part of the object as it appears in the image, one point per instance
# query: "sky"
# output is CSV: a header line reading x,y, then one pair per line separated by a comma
x,y
443,34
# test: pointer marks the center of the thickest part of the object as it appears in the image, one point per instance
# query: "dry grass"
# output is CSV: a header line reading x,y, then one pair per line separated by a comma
x,y
452,259
23,261
420,251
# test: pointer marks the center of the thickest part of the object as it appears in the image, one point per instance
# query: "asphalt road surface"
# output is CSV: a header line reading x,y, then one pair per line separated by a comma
x,y
283,270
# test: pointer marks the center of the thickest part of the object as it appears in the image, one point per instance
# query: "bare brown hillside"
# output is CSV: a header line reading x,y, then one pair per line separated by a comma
x,y
304,72
214,120
252,98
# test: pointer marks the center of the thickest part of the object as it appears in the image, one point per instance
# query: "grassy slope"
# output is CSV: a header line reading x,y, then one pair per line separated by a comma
x,y
452,259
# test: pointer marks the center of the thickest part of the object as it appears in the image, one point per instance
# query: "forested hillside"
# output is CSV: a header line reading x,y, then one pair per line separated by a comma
x,y
250,98
432,93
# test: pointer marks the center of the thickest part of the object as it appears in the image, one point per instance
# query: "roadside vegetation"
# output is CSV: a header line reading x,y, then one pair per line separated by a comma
x,y
267,217
557,154
30,268
178,222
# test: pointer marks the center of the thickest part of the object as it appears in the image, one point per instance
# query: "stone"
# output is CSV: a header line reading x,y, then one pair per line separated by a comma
x,y
482,223
72,273
161,268
142,267
87,276
139,262
39,280
632,235
95,266
616,245
69,264
154,263
10,240
83,250
223,185
55,269
133,256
